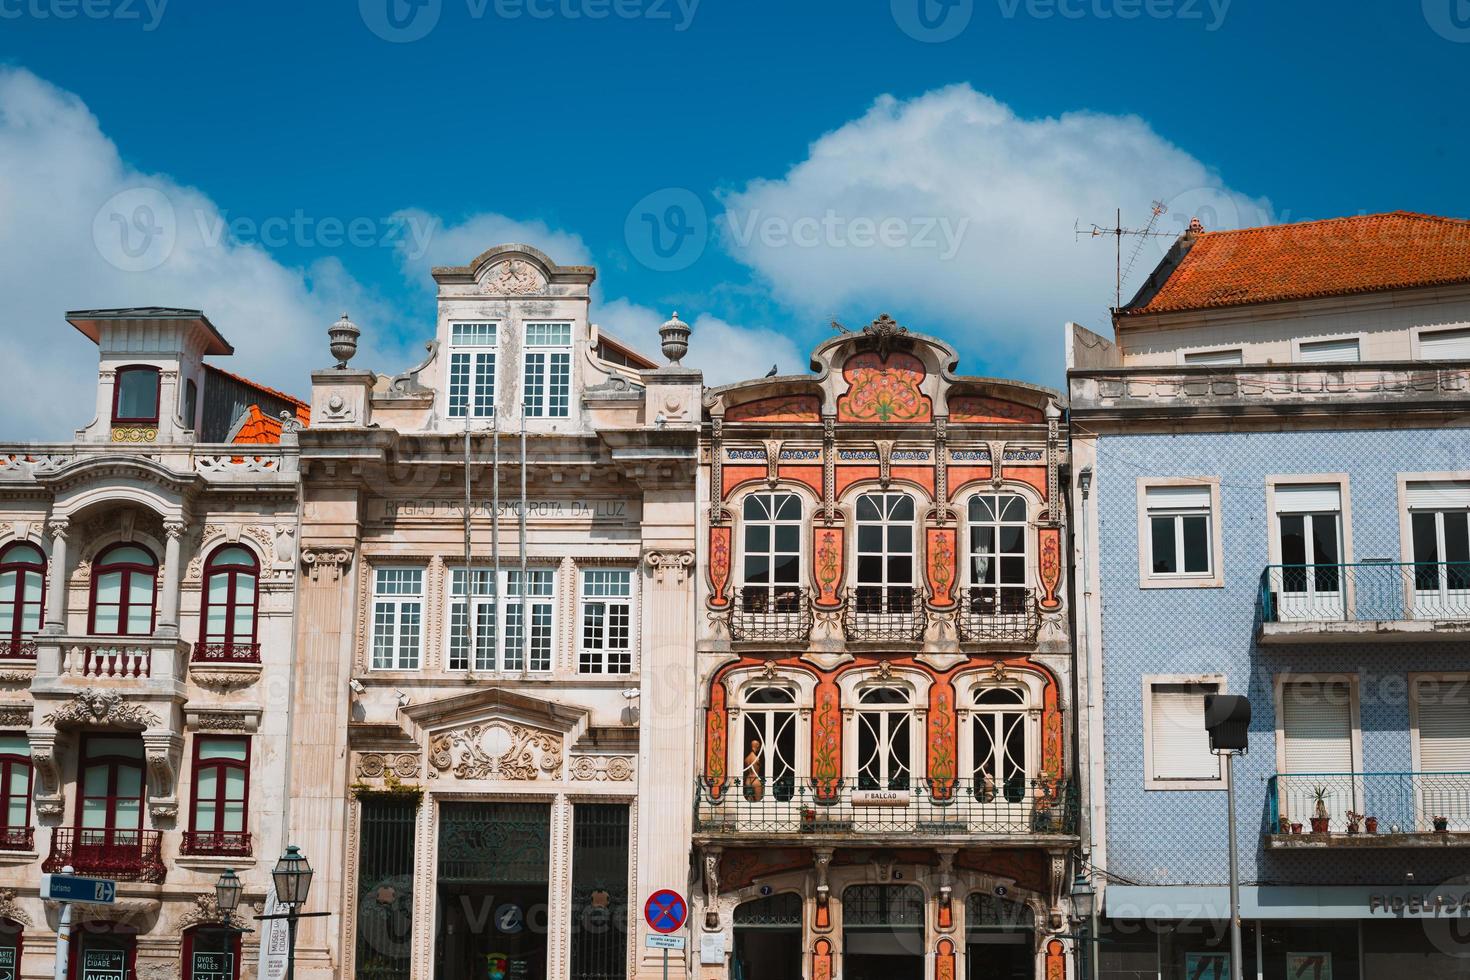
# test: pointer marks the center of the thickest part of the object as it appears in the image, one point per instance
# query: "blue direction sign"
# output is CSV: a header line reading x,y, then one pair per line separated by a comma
x,y
666,911
74,888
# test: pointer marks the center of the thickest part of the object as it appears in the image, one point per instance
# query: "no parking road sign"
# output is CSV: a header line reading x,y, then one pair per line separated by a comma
x,y
666,911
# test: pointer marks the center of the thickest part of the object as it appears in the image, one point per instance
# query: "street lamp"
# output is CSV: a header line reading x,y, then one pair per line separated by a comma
x,y
1228,720
1083,900
227,893
292,877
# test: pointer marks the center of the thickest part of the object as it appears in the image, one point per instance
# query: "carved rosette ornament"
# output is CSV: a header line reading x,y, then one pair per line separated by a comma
x,y
496,750
376,765
597,768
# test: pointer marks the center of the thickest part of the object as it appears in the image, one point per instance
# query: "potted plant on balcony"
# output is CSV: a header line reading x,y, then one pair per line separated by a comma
x,y
1441,825
1354,822
1320,820
1296,828
1371,824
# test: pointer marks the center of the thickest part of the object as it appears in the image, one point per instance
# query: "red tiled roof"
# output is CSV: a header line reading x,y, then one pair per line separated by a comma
x,y
1336,257
260,429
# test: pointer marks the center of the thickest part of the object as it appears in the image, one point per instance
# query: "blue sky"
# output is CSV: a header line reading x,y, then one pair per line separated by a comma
x,y
780,134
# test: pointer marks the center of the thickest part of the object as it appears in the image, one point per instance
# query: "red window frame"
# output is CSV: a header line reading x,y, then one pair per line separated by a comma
x,y
13,629
220,799
187,967
129,569
117,387
114,763
211,569
15,837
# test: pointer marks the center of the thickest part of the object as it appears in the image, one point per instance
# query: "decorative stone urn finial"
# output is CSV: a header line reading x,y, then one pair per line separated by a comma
x,y
675,333
343,334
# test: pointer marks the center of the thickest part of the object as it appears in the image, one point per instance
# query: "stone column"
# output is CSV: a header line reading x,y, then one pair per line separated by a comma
x,y
56,578
168,602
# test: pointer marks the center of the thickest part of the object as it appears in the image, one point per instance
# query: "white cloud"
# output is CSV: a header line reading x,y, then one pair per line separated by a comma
x,y
82,230
723,351
956,215
435,243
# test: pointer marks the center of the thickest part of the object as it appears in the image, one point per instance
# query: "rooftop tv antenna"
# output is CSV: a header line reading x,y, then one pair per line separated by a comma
x,y
1118,231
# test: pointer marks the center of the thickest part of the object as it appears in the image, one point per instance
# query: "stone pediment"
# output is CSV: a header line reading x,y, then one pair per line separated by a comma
x,y
497,734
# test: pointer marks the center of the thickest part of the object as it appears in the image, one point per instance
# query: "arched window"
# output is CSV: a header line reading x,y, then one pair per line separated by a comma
x,y
884,738
221,796
885,553
228,620
768,762
15,792
991,913
124,588
135,395
997,553
772,555
22,594
1000,745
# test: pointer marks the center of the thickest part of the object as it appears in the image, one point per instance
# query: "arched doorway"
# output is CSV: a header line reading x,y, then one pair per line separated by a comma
x,y
883,932
768,938
1000,938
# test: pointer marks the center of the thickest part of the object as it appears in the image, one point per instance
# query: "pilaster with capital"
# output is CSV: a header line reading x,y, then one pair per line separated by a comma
x,y
56,571
168,604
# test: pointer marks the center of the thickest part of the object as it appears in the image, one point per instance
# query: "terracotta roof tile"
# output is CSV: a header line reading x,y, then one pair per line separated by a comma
x,y
1336,257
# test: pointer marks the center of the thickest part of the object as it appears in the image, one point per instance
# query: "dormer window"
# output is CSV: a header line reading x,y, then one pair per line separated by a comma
x,y
135,395
472,370
548,375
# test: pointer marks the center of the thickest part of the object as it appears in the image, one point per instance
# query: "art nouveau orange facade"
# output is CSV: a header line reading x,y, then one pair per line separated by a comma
x,y
884,670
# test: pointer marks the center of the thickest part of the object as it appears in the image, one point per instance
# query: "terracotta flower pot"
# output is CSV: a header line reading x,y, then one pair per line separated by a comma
x,y
1319,825
1441,824
1296,828
1371,824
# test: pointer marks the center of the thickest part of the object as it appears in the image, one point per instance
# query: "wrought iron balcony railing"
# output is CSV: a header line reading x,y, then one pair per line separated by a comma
x,y
127,855
1364,592
18,648
227,653
230,843
925,807
17,838
1368,803
771,614
991,613
892,613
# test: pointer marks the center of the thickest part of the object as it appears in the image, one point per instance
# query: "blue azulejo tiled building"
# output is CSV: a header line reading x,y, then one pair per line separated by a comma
x,y
1272,490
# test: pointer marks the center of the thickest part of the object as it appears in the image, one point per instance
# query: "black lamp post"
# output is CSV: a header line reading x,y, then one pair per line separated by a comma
x,y
292,877
227,893
1083,900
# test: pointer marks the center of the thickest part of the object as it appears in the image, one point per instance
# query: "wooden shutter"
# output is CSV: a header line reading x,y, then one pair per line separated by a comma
x,y
1318,723
1179,746
1444,727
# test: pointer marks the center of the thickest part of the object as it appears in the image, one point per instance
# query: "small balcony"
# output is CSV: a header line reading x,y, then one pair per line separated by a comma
x,y
1413,601
227,653
993,614
884,614
65,664
18,648
216,843
17,838
847,809
771,614
126,855
1367,809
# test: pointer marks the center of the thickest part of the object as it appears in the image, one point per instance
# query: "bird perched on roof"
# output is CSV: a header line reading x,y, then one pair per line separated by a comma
x,y
772,372
839,328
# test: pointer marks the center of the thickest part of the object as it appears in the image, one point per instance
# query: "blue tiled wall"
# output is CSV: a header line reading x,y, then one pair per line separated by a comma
x,y
1177,837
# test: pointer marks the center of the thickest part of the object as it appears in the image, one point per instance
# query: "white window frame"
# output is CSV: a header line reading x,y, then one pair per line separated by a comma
x,y
596,660
1416,678
797,709
1355,715
541,407
502,616
1024,554
473,353
1151,781
1214,578
745,681
396,603
886,713
771,553
849,686
1344,523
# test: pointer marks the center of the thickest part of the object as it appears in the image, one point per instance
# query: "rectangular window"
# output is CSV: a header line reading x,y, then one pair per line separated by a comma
x,y
1308,582
1179,746
495,642
599,933
15,791
398,615
472,370
1223,357
1180,526
1317,751
221,796
135,398
1445,345
1324,351
548,375
1439,528
1442,716
607,622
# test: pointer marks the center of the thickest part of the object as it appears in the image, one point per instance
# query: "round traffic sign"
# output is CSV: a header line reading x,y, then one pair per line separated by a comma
x,y
666,911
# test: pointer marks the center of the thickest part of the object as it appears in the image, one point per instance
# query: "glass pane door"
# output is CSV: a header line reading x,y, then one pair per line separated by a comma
x,y
1441,564
1310,579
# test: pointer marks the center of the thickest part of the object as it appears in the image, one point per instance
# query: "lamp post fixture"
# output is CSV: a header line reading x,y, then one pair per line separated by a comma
x,y
227,893
292,878
1083,900
1228,720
